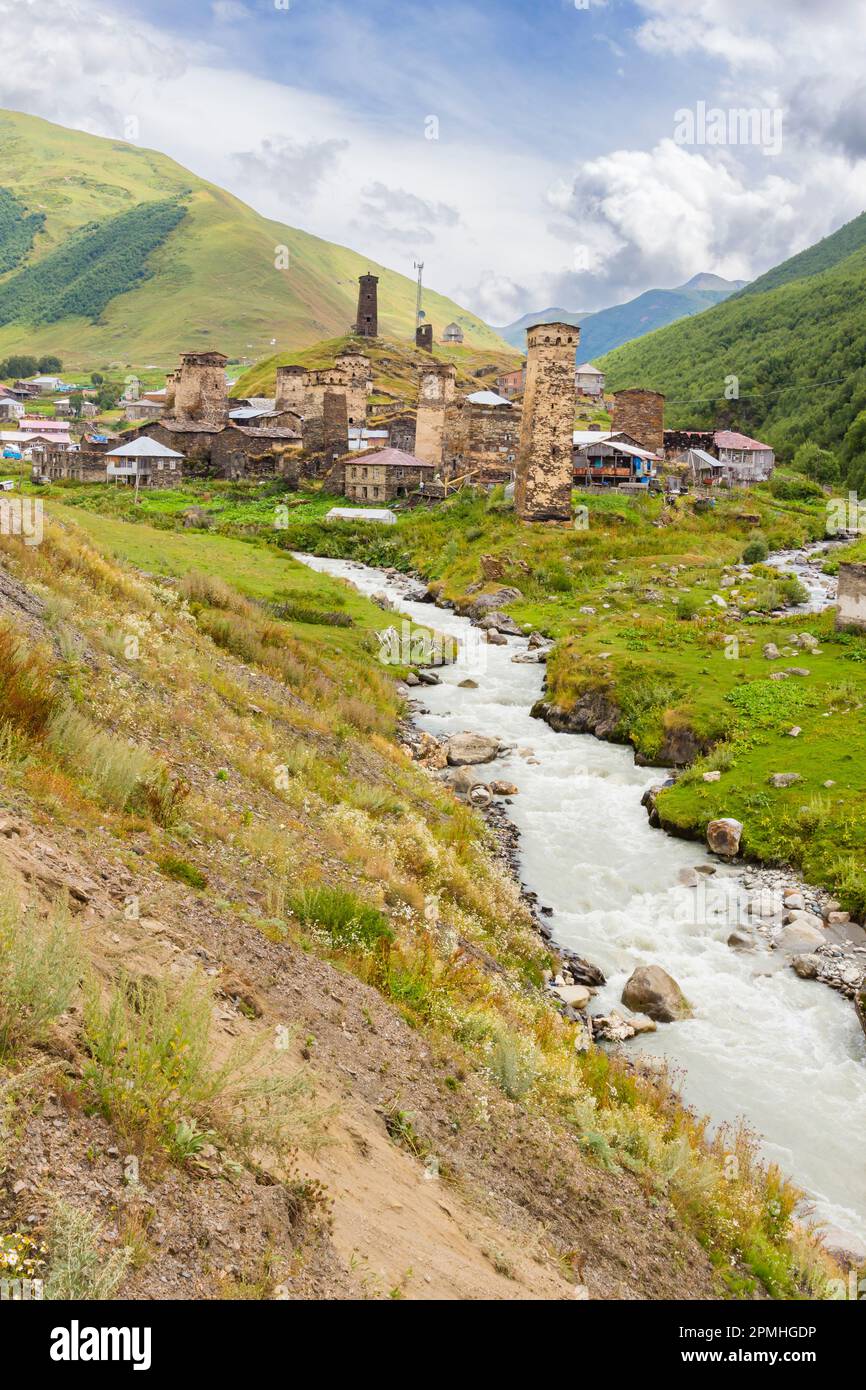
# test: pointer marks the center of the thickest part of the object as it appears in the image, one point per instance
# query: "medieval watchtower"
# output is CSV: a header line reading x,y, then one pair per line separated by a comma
x,y
367,322
437,389
200,389
640,414
542,490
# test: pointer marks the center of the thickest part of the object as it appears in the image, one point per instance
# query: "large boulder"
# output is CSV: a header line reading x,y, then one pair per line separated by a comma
x,y
465,750
502,623
651,990
723,836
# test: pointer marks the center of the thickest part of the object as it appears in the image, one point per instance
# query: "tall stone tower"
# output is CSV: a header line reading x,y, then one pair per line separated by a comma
x,y
424,336
367,322
545,469
200,389
291,389
642,415
335,424
437,389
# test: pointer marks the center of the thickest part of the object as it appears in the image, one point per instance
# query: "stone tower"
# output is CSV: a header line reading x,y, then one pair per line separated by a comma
x,y
354,370
291,389
335,424
545,469
640,414
424,336
437,389
367,322
200,389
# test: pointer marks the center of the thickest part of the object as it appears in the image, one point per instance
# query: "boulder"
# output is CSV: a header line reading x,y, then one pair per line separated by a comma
x,y
741,941
577,996
798,917
468,684
495,638
381,599
461,779
651,990
480,796
799,937
723,836
465,750
771,651
503,788
807,966
485,602
428,678
712,776
783,779
502,623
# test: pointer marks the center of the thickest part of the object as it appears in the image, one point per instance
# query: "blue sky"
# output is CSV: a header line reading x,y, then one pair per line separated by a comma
x,y
554,175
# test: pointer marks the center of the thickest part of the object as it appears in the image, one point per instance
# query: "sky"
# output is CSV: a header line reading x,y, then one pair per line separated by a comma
x,y
534,153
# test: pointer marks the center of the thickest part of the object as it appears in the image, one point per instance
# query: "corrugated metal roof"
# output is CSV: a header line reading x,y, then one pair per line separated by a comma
x,y
489,398
730,439
144,447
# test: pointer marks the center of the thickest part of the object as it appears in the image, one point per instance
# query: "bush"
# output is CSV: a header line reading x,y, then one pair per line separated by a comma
x,y
178,869
78,1267
28,696
150,1073
115,772
344,919
39,969
756,551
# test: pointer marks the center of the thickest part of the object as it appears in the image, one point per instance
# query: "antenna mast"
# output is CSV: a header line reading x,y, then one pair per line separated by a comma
x,y
419,266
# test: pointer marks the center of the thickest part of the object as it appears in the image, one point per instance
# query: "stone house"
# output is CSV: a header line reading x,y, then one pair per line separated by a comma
x,y
143,462
511,383
384,475
453,334
228,450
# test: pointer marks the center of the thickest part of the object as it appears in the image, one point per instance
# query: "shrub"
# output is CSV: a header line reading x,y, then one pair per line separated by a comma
x,y
78,1267
39,969
150,1072
689,607
756,551
181,871
291,610
28,696
512,1066
114,771
345,920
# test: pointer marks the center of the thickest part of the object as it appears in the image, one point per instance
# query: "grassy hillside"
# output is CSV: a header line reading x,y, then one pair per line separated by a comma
x,y
395,366
224,756
798,352
211,280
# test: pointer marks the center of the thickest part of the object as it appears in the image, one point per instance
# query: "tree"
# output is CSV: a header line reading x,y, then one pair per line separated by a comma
x,y
50,365
97,378
76,401
821,465
18,366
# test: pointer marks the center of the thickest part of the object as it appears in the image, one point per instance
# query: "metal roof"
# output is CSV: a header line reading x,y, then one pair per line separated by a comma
x,y
361,514
144,447
488,398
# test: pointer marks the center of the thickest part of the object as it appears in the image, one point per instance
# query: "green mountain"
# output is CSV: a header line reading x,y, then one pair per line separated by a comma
x,y
114,253
605,329
794,340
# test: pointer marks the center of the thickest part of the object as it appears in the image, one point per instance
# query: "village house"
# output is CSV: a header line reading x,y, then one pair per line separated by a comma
x,y
386,474
144,463
10,408
603,458
710,457
453,334
588,380
511,383
143,409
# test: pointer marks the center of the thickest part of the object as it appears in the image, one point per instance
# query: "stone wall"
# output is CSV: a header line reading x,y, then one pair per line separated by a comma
x,y
642,415
544,465
851,600
335,424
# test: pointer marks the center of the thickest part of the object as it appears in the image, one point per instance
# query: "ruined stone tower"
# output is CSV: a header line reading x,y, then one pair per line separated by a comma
x,y
640,414
353,370
437,389
200,390
424,336
542,490
367,322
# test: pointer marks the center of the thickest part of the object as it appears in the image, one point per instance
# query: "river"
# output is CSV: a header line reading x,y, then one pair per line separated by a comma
x,y
785,1054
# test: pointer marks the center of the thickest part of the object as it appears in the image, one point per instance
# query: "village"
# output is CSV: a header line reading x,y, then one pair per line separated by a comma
x,y
548,427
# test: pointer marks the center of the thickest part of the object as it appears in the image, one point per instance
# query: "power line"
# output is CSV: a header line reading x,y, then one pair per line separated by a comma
x,y
760,395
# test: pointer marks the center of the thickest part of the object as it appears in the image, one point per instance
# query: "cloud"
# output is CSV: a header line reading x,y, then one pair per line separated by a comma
x,y
403,217
637,219
230,12
293,169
